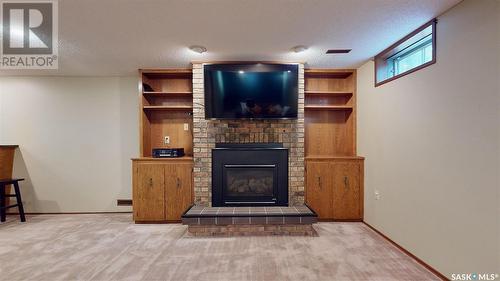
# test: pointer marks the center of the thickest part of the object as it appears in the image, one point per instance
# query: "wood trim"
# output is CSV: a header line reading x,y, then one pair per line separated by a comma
x,y
319,157
141,113
157,222
433,61
146,71
408,253
362,189
329,70
355,112
168,107
340,220
432,23
328,107
169,94
172,159
328,93
326,72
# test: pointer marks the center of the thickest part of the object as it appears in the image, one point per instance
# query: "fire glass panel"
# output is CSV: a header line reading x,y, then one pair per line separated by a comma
x,y
249,182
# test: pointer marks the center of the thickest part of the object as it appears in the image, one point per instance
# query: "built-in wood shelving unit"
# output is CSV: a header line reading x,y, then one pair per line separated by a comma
x,y
334,173
166,103
163,187
330,112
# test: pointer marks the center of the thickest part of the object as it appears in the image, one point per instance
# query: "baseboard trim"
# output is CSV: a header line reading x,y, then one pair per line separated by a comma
x,y
408,253
158,222
340,220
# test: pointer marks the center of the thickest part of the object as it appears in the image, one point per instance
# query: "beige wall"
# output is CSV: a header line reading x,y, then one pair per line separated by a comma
x,y
76,137
431,141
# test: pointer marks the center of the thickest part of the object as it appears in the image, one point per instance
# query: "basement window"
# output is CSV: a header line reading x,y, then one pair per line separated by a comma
x,y
415,51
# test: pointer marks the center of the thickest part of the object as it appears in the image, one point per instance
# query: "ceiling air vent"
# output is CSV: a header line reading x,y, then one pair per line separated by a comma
x,y
338,51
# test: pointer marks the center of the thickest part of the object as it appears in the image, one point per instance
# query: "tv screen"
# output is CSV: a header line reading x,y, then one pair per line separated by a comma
x,y
253,91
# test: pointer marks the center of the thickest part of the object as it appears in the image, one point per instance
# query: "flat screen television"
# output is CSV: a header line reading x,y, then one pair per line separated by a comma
x,y
251,91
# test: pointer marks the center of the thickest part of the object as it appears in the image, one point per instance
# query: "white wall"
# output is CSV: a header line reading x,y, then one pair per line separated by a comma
x,y
76,138
431,141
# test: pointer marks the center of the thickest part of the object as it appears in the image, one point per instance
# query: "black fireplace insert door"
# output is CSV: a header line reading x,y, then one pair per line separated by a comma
x,y
249,176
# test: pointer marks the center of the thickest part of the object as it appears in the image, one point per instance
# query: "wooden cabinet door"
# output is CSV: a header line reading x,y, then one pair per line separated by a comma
x,y
178,190
319,188
149,192
346,190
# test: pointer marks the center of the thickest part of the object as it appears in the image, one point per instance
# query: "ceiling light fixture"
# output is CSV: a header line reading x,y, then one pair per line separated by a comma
x,y
198,49
299,48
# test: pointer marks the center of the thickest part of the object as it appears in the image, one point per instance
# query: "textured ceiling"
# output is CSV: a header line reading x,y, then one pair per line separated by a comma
x,y
116,37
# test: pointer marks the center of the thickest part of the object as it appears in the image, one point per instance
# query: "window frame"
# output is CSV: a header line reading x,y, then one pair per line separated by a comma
x,y
420,48
380,55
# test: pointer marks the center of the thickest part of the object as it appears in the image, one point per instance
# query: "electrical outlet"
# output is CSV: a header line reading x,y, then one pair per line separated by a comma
x,y
167,140
186,127
377,195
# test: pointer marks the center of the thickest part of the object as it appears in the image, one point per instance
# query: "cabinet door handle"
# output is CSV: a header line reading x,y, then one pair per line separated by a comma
x,y
150,182
346,182
178,183
319,183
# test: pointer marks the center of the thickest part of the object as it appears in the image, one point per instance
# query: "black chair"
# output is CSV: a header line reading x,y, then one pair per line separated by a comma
x,y
19,203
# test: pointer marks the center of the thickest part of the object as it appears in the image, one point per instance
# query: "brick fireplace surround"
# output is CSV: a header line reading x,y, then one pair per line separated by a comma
x,y
206,133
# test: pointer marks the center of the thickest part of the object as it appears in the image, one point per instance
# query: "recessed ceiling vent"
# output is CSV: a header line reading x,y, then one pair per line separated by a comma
x,y
338,51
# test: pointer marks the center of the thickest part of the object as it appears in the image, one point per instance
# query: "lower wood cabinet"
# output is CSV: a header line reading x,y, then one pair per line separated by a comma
x,y
162,189
334,188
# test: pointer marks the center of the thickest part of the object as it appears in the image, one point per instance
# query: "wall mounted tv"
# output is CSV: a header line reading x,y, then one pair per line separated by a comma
x,y
251,91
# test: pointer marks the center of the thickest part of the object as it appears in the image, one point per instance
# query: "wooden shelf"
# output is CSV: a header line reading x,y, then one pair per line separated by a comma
x,y
9,145
168,107
328,93
153,73
330,103
328,73
333,157
169,94
169,159
327,107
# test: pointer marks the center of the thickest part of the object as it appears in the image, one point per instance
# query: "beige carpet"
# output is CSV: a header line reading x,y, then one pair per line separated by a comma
x,y
111,247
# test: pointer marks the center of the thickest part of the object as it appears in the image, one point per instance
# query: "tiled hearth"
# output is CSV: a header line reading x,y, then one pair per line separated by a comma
x,y
232,221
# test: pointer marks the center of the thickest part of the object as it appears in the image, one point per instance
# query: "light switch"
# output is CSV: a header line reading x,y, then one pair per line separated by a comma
x,y
167,140
186,127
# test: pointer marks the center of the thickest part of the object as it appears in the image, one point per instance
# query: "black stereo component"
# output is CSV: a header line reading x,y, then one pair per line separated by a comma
x,y
168,152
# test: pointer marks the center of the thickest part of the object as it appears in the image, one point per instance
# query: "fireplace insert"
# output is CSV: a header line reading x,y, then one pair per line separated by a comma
x,y
249,175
